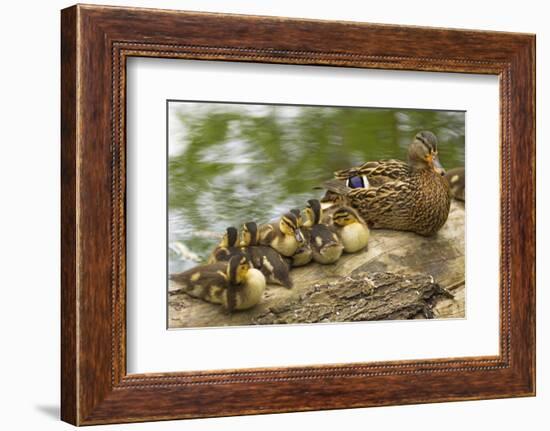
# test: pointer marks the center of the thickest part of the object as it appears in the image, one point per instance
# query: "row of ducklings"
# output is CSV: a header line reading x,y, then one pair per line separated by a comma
x,y
240,266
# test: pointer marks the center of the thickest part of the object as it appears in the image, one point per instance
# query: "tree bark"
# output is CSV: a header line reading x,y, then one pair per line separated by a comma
x,y
360,297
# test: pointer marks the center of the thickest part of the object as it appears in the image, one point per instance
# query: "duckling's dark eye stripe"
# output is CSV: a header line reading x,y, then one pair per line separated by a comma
x,y
340,215
291,220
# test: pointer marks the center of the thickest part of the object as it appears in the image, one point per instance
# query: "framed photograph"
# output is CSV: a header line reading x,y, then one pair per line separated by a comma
x,y
265,215
236,174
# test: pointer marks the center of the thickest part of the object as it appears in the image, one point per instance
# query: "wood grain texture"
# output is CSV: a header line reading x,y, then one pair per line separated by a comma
x,y
69,396
96,41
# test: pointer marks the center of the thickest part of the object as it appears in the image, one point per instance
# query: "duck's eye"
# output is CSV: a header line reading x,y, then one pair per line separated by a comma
x,y
357,182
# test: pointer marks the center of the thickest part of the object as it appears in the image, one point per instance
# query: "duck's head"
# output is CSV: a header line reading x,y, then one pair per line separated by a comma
x,y
289,226
249,234
344,216
423,153
298,214
230,238
313,212
237,269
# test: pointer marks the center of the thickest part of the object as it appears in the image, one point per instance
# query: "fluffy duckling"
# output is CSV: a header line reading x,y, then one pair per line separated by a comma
x,y
284,236
351,229
228,246
325,246
272,265
456,178
303,255
234,284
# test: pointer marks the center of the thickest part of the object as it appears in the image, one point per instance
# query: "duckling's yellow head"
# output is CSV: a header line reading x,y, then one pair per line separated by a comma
x,y
345,216
423,153
230,238
313,212
289,226
237,268
249,234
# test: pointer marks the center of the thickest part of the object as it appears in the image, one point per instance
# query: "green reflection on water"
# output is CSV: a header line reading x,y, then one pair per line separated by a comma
x,y
231,163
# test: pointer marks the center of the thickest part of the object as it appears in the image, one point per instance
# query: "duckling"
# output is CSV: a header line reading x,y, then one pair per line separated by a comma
x,y
303,255
234,284
325,245
285,236
456,178
298,214
227,247
272,265
350,227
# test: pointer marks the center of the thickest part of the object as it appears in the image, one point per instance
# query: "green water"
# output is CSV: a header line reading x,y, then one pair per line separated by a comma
x,y
230,163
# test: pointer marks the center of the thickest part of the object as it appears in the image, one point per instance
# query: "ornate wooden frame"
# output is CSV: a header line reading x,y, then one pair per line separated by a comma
x,y
95,42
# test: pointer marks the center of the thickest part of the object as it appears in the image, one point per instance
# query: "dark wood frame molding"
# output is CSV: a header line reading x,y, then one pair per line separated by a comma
x,y
95,43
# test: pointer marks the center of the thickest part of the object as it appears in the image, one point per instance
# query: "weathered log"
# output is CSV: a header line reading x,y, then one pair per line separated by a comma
x,y
360,297
440,257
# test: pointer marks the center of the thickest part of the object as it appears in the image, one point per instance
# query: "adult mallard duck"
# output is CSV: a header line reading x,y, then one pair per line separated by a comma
x,y
392,194
234,284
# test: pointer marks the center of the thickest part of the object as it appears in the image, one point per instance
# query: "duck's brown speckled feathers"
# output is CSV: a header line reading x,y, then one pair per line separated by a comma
x,y
378,172
412,197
